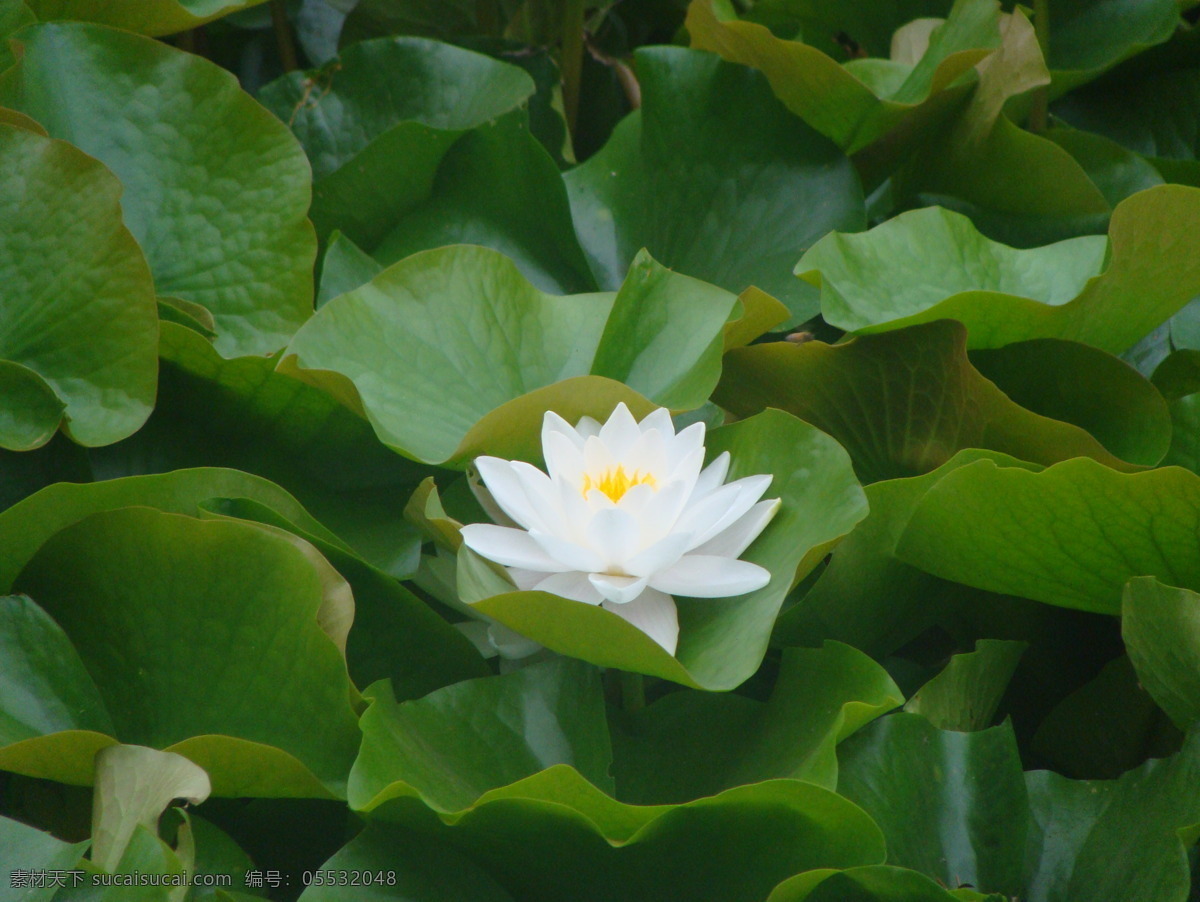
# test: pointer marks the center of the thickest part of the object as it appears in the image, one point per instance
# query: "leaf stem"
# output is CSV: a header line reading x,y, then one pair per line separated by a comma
x,y
1039,111
633,691
571,59
283,36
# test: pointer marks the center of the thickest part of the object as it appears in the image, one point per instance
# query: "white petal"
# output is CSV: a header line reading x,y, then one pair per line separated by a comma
x,y
685,443
569,555
658,517
620,431
487,500
597,456
525,579
501,480
542,495
688,470
659,420
712,476
614,535
564,460
749,490
654,614
510,547
636,500
648,455
587,426
617,589
659,556
705,576
736,537
553,423
573,585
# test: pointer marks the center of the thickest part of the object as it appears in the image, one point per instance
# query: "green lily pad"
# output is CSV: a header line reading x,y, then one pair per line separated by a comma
x,y
1071,535
405,348
991,164
715,178
1178,378
216,191
881,280
718,741
952,805
243,415
152,17
874,883
1093,841
1088,37
721,641
965,695
25,526
833,98
29,849
344,267
904,402
166,673
69,265
712,848
521,723
1161,628
864,596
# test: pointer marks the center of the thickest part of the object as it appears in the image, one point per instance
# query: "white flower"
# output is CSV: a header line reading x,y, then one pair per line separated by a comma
x,y
625,518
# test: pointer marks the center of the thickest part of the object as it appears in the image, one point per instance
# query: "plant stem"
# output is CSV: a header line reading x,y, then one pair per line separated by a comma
x,y
1039,112
633,691
283,36
571,59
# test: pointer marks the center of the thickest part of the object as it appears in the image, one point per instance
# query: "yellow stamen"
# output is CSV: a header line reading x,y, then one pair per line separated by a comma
x,y
616,482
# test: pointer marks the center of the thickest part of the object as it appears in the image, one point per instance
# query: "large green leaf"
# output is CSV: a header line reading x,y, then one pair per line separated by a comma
x,y
78,322
1071,535
1088,37
1123,839
715,178
873,883
1161,628
152,17
988,162
834,99
952,805
721,641
904,402
407,349
734,846
965,695
542,716
25,526
1178,378
242,414
882,279
714,742
216,191
441,155
238,675
24,848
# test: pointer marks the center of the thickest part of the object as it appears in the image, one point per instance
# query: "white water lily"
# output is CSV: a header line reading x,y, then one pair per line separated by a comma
x,y
625,517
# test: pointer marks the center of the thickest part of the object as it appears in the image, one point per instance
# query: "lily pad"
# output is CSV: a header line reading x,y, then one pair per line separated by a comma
x,y
216,190
881,280
718,741
1093,841
1161,628
1071,535
831,97
874,883
721,641
70,266
965,695
715,178
904,402
166,675
152,17
406,350
952,805
29,849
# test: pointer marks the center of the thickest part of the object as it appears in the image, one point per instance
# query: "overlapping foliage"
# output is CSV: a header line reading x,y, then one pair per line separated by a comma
x,y
270,283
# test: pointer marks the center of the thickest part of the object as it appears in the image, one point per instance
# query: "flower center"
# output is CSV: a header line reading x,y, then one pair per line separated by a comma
x,y
615,482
